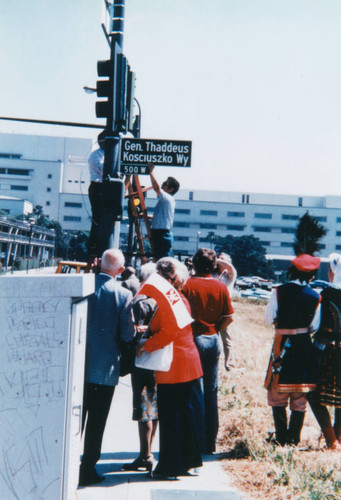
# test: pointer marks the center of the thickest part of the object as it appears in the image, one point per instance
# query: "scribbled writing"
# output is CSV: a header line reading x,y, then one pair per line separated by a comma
x,y
32,385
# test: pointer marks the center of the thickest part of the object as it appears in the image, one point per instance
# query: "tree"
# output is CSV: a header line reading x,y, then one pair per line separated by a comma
x,y
63,238
78,246
247,254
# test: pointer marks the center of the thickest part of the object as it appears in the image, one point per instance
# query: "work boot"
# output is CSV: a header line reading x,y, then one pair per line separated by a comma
x,y
330,437
295,427
279,414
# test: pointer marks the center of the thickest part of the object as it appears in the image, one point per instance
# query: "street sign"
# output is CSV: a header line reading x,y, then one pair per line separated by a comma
x,y
137,153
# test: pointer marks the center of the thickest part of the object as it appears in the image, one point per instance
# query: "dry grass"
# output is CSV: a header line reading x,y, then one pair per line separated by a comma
x,y
256,467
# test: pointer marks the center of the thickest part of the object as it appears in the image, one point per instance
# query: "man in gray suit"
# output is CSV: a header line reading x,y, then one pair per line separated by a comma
x,y
109,322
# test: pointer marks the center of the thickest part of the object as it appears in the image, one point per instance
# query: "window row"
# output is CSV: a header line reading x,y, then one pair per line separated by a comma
x,y
258,215
239,227
72,204
72,218
14,171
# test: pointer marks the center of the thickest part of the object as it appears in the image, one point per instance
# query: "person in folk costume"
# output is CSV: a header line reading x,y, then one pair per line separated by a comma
x,y
327,340
294,310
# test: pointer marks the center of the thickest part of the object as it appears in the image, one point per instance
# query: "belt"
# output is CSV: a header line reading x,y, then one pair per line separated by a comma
x,y
291,331
206,333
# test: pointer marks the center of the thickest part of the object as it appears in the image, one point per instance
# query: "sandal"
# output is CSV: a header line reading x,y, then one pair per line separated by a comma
x,y
140,463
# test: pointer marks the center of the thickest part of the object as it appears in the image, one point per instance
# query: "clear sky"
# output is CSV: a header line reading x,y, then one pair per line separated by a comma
x,y
254,84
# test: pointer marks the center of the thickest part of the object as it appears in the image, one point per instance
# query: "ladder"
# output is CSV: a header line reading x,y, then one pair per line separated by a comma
x,y
138,212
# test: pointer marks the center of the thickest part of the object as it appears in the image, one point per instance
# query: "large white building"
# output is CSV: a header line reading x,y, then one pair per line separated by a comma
x,y
269,217
53,172
48,171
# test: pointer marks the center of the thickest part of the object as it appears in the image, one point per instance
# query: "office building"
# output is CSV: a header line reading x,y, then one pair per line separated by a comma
x,y
52,172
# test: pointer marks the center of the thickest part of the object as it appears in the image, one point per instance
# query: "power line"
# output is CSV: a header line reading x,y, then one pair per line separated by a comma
x,y
52,122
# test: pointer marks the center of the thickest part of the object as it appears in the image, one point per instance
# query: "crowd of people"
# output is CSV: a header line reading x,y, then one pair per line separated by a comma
x,y
187,307
304,366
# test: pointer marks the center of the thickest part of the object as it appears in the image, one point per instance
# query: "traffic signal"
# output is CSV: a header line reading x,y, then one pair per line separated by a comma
x,y
130,99
121,84
113,195
105,88
117,88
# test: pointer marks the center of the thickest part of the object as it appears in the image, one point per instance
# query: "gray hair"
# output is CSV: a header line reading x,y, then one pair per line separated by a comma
x,y
146,270
173,270
112,260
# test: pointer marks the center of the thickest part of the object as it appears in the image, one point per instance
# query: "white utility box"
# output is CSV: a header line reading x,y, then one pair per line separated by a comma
x,y
42,352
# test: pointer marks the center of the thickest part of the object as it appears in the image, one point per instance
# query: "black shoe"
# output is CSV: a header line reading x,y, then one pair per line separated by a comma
x,y
87,477
140,464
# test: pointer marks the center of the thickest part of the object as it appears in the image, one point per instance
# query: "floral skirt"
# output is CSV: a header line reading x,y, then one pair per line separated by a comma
x,y
144,395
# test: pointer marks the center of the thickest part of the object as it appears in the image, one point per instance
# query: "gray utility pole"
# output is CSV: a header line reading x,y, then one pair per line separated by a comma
x,y
113,186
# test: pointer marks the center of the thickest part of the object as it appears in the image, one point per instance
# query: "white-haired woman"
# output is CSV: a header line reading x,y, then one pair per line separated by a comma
x,y
179,443
328,342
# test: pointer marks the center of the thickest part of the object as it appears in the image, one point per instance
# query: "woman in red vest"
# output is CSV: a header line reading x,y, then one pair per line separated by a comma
x,y
179,443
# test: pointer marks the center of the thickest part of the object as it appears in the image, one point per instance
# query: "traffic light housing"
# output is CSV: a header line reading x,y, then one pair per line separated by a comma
x,y
130,99
120,92
105,88
116,89
113,195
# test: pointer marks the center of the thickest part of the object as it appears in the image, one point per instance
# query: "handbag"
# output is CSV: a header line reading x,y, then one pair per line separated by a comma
x,y
127,357
144,311
159,360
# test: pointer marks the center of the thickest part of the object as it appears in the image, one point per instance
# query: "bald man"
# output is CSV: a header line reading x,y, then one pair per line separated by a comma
x,y
110,322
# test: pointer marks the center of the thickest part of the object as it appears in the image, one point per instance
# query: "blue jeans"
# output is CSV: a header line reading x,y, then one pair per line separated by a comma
x,y
162,241
209,348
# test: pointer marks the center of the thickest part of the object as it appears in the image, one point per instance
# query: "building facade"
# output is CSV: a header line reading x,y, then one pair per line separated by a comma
x,y
48,171
53,172
21,239
202,215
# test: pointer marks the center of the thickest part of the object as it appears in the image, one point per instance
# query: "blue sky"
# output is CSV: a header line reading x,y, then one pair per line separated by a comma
x,y
255,84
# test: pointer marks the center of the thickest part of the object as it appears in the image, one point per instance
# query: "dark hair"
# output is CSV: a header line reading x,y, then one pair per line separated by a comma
x,y
173,184
101,136
295,274
129,271
205,261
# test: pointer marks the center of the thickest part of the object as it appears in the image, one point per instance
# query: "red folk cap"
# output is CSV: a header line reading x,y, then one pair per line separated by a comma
x,y
306,262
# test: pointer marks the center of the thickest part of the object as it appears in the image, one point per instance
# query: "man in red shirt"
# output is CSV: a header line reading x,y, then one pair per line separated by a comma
x,y
212,311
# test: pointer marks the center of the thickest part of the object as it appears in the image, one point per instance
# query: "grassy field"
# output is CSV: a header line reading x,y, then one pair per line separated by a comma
x,y
257,468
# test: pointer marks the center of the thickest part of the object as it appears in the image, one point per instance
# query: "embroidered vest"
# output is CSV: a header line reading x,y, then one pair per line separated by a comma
x,y
296,305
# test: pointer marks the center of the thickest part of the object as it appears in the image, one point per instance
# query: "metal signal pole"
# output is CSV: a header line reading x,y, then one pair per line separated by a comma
x,y
112,185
